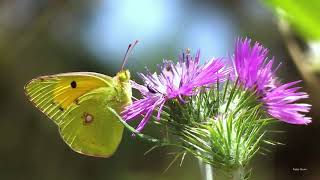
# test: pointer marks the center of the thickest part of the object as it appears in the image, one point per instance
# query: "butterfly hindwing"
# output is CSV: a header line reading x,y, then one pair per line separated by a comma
x,y
91,128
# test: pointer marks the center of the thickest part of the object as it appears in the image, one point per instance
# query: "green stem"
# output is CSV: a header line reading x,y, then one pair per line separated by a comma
x,y
231,174
238,174
206,170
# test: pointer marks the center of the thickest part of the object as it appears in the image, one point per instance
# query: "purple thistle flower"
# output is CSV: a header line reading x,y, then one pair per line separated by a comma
x,y
174,81
280,103
252,67
255,72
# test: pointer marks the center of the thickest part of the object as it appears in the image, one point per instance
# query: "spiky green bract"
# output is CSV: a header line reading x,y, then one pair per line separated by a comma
x,y
222,126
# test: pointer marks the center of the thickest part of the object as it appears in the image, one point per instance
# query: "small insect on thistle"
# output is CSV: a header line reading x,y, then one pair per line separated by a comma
x,y
79,102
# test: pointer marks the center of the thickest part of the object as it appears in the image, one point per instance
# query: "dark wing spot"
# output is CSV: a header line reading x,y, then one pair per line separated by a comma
x,y
61,109
73,84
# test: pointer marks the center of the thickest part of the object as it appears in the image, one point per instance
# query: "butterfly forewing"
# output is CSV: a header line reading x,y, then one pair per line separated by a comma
x,y
54,94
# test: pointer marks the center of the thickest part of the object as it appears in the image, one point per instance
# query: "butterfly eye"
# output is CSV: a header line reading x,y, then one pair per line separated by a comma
x,y
124,76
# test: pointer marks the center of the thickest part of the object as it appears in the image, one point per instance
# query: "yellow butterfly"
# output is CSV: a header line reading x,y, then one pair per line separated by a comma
x,y
83,105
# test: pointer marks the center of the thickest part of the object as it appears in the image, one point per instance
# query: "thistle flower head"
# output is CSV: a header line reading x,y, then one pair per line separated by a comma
x,y
281,104
220,122
255,72
252,66
175,81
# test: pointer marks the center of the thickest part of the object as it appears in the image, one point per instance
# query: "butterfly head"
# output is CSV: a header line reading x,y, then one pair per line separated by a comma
x,y
123,80
123,76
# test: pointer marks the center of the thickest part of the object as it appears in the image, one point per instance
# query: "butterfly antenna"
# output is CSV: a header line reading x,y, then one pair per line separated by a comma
x,y
128,52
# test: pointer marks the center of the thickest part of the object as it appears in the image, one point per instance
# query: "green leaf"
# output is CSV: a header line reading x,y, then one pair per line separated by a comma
x,y
304,16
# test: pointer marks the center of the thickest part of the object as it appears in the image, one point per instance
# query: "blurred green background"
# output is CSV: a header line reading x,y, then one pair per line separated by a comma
x,y
39,37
